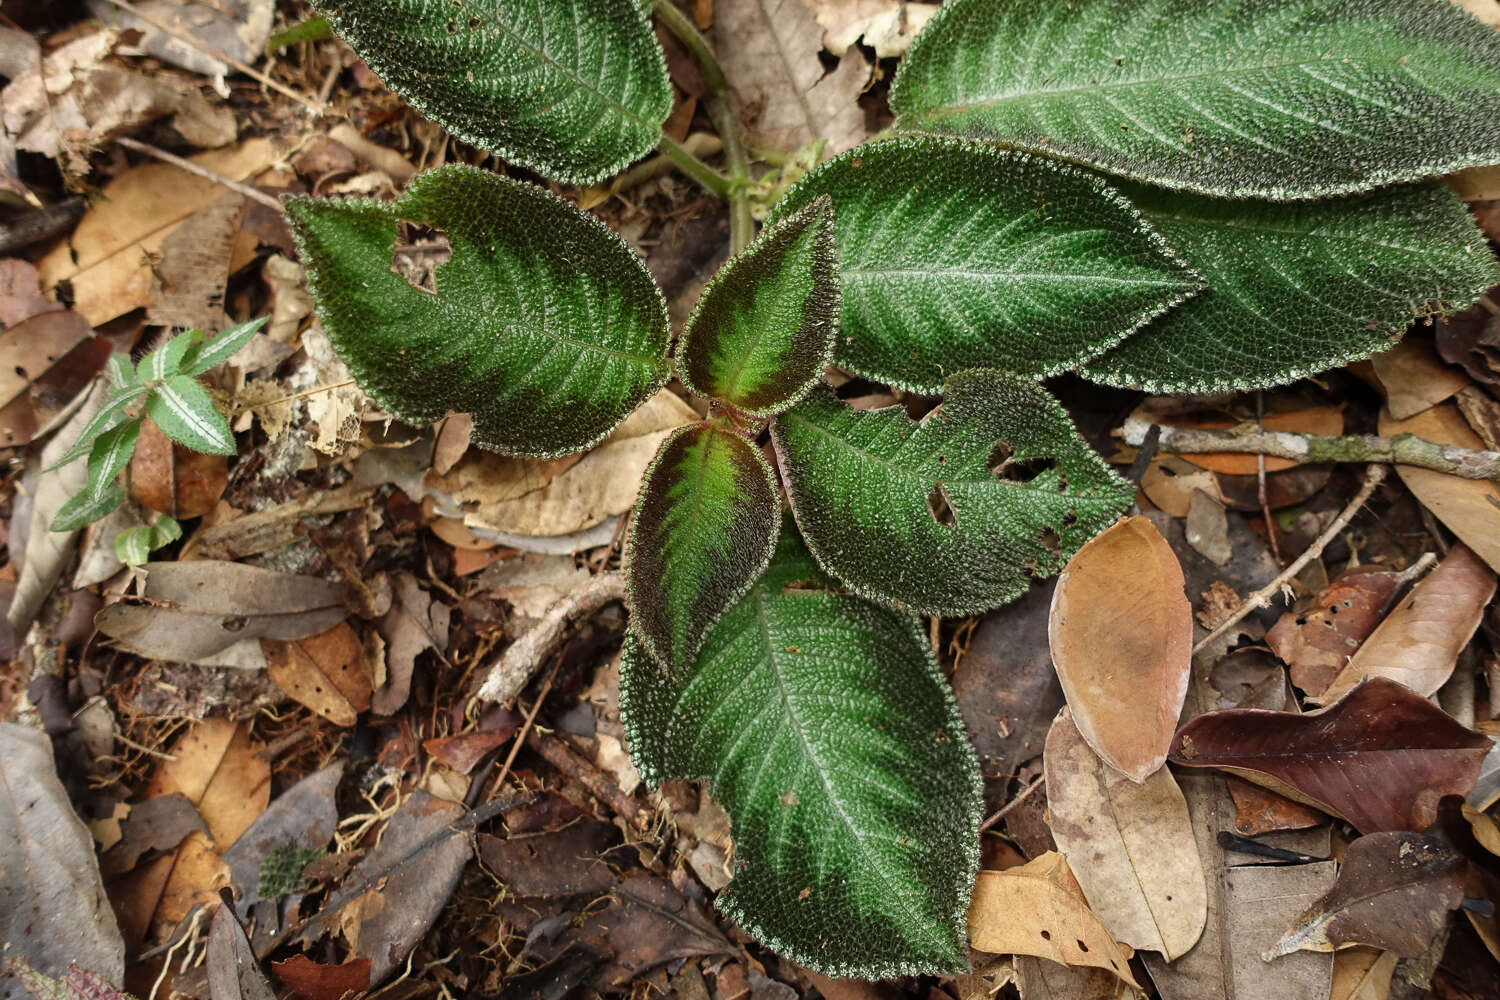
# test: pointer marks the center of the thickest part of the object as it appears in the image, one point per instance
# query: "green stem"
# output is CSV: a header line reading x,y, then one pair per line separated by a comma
x,y
712,181
725,121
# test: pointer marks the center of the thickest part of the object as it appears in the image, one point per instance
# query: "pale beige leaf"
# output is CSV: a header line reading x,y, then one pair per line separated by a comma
x,y
1130,846
1469,507
887,26
1038,909
1260,902
1362,974
1412,377
1121,632
1418,643
1039,979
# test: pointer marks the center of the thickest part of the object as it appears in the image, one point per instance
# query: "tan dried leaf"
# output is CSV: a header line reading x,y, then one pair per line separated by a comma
x,y
1469,507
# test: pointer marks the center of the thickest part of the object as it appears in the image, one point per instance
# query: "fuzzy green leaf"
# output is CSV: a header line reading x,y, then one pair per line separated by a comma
x,y
574,89
110,454
133,545
1273,99
545,325
85,507
834,743
119,372
185,412
1299,288
909,512
166,359
764,329
704,527
209,354
954,255
110,415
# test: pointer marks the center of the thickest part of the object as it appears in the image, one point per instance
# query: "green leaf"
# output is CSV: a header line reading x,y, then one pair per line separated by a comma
x,y
763,331
166,360
111,453
704,527
85,507
164,530
954,255
110,415
1272,99
1299,288
573,89
909,512
186,413
545,326
834,743
133,545
120,372
212,353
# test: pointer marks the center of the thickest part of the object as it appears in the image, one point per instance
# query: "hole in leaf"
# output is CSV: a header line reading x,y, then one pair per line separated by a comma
x,y
938,505
1005,466
999,456
1052,541
419,250
1046,935
1069,519
1081,946
21,372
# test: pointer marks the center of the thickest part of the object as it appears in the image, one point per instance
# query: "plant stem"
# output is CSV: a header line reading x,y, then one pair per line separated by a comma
x,y
712,181
725,121
1402,449
229,182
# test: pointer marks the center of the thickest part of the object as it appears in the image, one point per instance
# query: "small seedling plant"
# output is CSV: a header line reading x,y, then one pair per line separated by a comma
x,y
1183,196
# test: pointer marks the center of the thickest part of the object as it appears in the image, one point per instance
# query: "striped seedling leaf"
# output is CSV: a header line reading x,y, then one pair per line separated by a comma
x,y
110,454
951,515
166,360
185,412
764,329
954,255
85,507
209,354
828,734
110,415
544,325
1298,288
573,89
1272,99
704,527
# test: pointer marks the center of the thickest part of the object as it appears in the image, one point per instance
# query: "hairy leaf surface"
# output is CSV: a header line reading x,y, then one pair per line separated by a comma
x,y
574,89
909,512
954,255
704,527
1273,99
763,331
545,325
1295,289
829,735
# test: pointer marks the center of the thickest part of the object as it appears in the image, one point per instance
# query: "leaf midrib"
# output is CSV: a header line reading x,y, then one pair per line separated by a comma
x,y
525,329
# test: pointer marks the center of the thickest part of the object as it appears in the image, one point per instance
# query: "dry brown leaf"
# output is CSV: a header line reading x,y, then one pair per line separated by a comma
x,y
1418,643
1318,642
187,287
1039,979
21,293
1121,632
325,672
1130,846
1260,901
1469,507
414,623
887,26
1038,909
1362,974
174,479
33,345
1412,377
1171,483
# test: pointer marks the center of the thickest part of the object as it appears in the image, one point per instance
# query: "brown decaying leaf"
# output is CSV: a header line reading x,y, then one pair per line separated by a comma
x,y
1121,633
1039,979
1394,891
887,26
1259,901
177,481
158,824
29,347
303,816
1419,642
316,981
76,984
1469,507
1259,810
233,972
1362,974
187,286
1318,642
325,672
1380,758
1038,909
415,623
554,863
1130,846
1412,377
1171,483
1471,338
464,751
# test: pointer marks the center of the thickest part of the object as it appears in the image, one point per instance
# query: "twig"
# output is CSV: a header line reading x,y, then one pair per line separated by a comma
x,y
295,396
1402,449
193,168
1021,796
600,785
510,673
1143,457
1260,484
1374,475
515,744
221,56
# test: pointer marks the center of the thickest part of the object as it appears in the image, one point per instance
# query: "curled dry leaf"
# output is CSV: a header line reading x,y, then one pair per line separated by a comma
x,y
1381,757
1130,846
1038,909
1469,507
1418,643
1394,891
1317,643
1121,632
233,972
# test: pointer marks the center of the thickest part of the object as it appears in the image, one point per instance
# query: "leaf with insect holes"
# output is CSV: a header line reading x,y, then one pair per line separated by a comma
x,y
704,527
110,454
85,507
1299,288
185,412
1278,99
574,90
828,734
209,354
953,514
545,325
764,329
954,255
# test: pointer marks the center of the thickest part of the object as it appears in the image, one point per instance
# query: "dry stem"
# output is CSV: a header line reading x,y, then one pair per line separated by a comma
x,y
509,674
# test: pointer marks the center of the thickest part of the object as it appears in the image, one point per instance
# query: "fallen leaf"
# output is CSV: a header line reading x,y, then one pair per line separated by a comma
x,y
1171,483
324,672
1040,979
1482,411
1318,642
1121,632
1038,909
233,972
1207,529
316,981
1469,507
1412,377
55,910
1394,891
415,623
237,28
187,286
887,26
21,295
647,924
77,984
302,817
215,613
1362,974
1260,900
176,480
553,863
1130,845
269,529
29,347
464,751
157,824
1259,810
1419,642
1381,757
1470,338
335,414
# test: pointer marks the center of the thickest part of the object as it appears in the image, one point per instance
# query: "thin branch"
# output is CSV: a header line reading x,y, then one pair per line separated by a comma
x,y
295,396
1021,796
1402,449
193,168
1374,475
509,674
